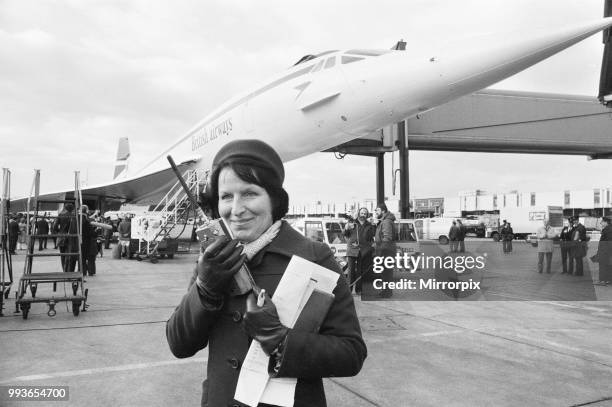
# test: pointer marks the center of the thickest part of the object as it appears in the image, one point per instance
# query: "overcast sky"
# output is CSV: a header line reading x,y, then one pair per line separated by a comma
x,y
78,75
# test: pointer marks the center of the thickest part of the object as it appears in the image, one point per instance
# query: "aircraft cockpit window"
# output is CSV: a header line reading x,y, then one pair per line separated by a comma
x,y
310,57
368,52
317,67
305,58
326,53
348,59
330,62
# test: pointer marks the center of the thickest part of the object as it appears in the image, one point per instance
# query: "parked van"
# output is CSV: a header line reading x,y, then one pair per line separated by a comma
x,y
433,229
326,230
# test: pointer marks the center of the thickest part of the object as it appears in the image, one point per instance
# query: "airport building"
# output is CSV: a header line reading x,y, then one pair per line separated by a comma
x,y
584,202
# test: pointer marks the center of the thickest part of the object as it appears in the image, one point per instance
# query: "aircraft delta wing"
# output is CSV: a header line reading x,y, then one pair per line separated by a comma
x,y
331,98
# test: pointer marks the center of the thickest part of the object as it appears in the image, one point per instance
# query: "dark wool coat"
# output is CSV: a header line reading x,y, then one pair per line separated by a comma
x,y
578,244
360,239
384,236
337,350
604,252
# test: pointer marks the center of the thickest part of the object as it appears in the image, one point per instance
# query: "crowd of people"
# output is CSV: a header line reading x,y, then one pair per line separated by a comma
x,y
62,231
368,236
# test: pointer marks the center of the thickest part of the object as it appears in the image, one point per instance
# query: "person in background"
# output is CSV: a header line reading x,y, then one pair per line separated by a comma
x,y
51,232
246,191
565,243
578,247
359,250
108,233
13,234
461,236
604,252
23,233
66,224
545,235
125,234
384,240
89,246
42,229
97,218
453,234
507,235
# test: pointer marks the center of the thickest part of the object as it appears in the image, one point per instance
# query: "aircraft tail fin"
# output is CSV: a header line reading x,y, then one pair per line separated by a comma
x,y
123,154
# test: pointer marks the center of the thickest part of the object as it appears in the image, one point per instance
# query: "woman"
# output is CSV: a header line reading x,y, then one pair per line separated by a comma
x,y
246,190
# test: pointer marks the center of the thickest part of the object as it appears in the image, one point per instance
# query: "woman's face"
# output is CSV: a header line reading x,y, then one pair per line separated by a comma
x,y
247,208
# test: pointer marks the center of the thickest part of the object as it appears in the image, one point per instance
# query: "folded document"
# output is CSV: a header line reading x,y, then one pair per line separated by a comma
x,y
302,299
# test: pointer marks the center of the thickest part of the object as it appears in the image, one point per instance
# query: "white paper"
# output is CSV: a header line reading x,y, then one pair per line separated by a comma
x,y
253,376
295,287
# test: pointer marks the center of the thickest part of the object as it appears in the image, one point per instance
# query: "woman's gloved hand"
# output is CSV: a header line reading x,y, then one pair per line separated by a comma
x,y
218,264
262,324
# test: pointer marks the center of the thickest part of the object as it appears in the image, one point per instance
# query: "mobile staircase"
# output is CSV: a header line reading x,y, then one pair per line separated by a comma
x,y
172,210
72,238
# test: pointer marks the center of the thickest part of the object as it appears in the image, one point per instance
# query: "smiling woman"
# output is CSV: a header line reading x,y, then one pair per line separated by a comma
x,y
246,190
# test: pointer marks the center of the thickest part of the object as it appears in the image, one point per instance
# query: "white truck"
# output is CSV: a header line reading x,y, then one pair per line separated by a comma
x,y
434,228
526,221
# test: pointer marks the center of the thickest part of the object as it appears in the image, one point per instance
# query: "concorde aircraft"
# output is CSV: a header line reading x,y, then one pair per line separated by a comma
x,y
327,99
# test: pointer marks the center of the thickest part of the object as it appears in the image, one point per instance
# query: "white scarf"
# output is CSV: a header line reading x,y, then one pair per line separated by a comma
x,y
252,248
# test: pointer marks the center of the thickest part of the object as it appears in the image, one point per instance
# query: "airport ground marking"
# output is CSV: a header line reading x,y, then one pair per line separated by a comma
x,y
590,403
108,369
345,387
85,326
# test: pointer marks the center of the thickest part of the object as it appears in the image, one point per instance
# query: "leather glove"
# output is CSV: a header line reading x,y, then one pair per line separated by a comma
x,y
262,323
217,265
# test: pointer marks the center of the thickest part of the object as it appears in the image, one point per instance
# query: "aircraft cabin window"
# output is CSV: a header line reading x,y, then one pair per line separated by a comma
x,y
317,67
330,62
348,60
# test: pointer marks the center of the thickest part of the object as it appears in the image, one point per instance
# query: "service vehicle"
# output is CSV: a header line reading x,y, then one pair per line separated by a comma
x,y
326,230
407,239
434,229
526,221
474,225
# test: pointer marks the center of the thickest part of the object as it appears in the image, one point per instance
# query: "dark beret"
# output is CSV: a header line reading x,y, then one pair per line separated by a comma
x,y
251,151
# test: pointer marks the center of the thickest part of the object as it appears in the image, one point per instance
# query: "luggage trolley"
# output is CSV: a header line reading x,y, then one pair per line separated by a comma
x,y
74,235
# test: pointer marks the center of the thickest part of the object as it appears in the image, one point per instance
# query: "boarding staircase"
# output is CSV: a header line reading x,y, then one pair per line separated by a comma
x,y
172,210
72,235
